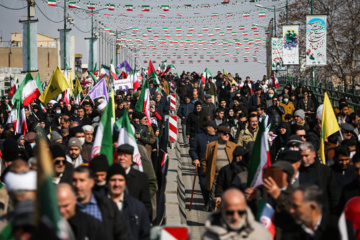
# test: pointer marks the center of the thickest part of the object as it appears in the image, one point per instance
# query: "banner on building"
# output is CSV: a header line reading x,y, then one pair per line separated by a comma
x,y
29,48
63,47
316,40
291,44
277,54
92,45
123,85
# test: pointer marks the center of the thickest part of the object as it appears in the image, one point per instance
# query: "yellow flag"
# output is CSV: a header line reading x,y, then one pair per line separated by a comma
x,y
329,125
70,81
78,88
58,83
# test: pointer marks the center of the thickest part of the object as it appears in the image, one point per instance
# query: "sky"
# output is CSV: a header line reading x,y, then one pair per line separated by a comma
x,y
196,15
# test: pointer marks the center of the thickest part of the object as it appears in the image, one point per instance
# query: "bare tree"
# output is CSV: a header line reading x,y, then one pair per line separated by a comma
x,y
343,36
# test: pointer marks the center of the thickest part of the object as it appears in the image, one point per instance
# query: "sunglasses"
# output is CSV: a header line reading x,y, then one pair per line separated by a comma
x,y
57,162
240,212
304,136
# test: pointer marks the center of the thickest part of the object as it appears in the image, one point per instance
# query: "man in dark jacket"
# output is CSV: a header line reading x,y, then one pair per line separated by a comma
x,y
341,168
63,169
195,121
210,89
99,207
184,110
142,133
100,165
276,111
257,99
133,210
306,103
208,107
197,153
83,225
315,223
137,182
327,182
184,90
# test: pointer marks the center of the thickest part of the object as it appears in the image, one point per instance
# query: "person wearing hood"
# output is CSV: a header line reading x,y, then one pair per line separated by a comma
x,y
194,121
228,173
234,220
100,165
74,150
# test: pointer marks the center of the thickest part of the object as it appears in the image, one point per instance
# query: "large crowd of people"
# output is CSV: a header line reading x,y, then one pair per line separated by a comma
x,y
220,121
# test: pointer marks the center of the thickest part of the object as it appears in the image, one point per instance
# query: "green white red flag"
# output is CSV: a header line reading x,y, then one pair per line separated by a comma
x,y
206,75
143,103
265,216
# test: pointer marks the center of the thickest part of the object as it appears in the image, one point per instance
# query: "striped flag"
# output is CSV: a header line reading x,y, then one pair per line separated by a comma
x,y
52,3
91,6
145,8
165,8
110,7
129,8
260,157
164,162
262,14
265,216
214,15
246,14
143,103
206,75
72,4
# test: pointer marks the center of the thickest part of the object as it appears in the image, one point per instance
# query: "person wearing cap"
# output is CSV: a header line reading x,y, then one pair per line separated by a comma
x,y
327,181
74,150
137,182
142,133
183,112
97,206
293,143
249,133
82,225
63,169
132,209
347,131
56,137
89,138
195,121
197,152
306,103
278,196
228,173
288,106
299,120
208,106
210,89
218,154
99,165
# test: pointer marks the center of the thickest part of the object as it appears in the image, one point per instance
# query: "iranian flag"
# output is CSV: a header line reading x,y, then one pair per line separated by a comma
x,y
149,29
134,77
267,32
166,29
234,34
229,28
145,8
206,75
52,3
262,14
103,138
28,91
256,32
111,7
222,34
200,35
179,15
260,158
143,103
165,8
205,29
245,33
129,8
152,73
229,14
241,27
72,4
246,14
164,162
191,29
178,29
18,118
127,136
217,28
265,216
168,68
210,34
91,6
13,86
214,15
162,15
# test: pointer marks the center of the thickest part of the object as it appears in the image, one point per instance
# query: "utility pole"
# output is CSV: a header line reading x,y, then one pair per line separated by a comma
x,y
312,68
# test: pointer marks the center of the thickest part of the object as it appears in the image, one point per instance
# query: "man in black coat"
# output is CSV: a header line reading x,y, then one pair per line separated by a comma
x,y
99,207
342,170
314,223
83,225
327,181
195,121
132,209
137,182
63,169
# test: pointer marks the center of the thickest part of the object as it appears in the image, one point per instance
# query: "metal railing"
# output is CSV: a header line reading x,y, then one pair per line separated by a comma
x,y
335,93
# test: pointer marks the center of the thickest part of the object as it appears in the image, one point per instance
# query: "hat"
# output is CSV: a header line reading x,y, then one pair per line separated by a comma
x,y
115,169
20,181
300,113
56,105
207,96
54,136
291,156
294,140
197,103
88,128
211,124
52,102
10,150
347,127
238,151
286,95
30,137
142,115
57,150
125,148
74,142
99,163
136,115
286,167
223,129
101,107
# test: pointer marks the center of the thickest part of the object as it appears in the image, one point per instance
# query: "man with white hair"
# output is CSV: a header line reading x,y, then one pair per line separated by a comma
x,y
234,220
87,146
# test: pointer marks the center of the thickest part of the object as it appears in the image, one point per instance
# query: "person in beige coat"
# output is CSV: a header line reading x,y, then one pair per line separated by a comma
x,y
234,220
249,133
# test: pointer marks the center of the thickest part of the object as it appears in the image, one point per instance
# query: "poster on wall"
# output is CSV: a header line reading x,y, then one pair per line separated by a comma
x,y
316,40
291,44
277,54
